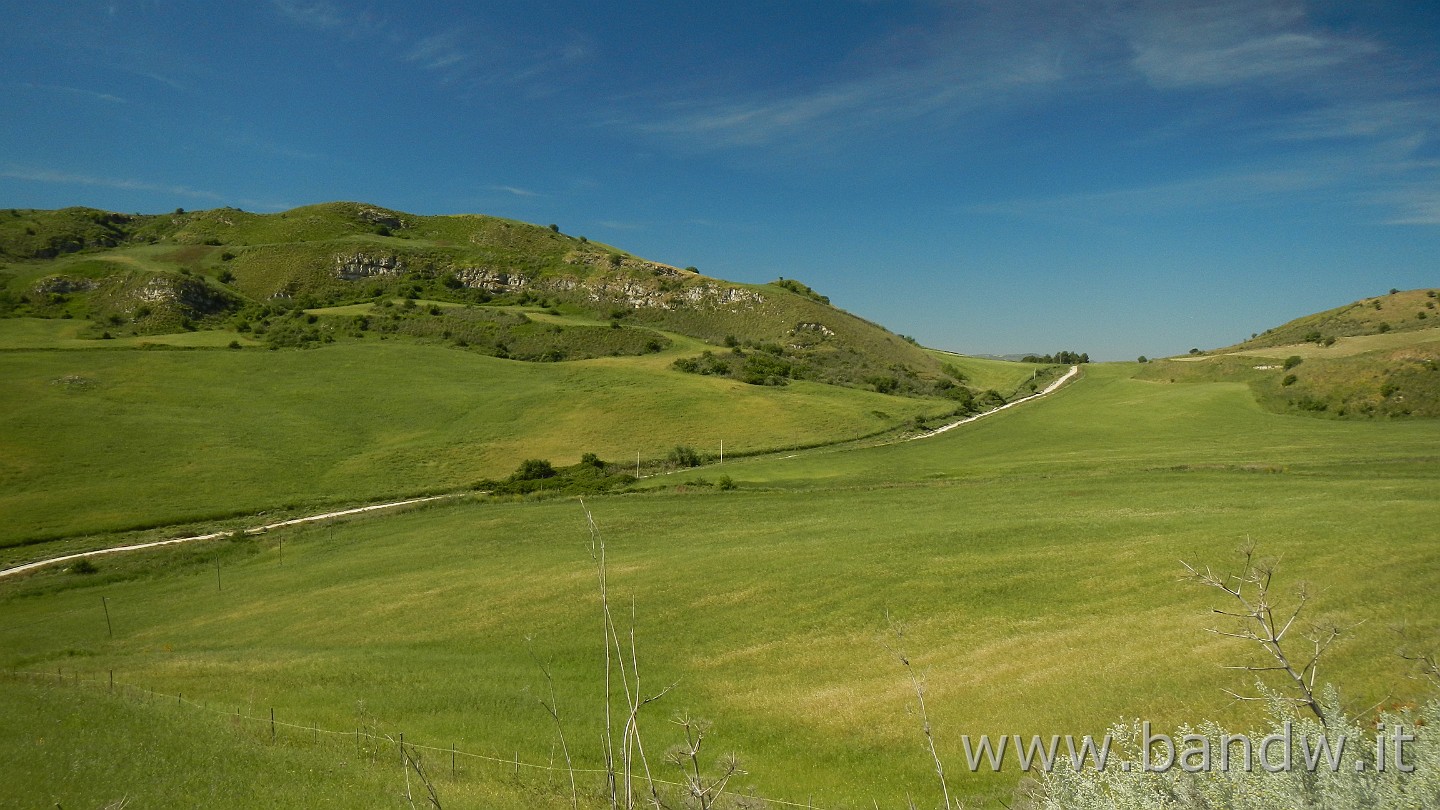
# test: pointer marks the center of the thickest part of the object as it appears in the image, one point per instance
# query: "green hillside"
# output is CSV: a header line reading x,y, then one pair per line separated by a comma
x,y
1374,358
1399,311
226,269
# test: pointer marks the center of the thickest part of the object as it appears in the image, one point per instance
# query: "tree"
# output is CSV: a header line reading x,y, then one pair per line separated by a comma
x,y
554,228
1142,359
684,456
533,469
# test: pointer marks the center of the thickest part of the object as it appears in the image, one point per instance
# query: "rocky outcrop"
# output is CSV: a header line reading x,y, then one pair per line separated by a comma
x,y
191,294
491,280
814,327
384,219
63,285
364,265
590,258
639,294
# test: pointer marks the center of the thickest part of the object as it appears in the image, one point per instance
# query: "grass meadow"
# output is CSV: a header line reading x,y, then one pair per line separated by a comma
x,y
1032,557
103,440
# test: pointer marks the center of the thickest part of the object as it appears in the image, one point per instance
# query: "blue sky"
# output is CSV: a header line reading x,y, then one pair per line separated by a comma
x,y
1121,178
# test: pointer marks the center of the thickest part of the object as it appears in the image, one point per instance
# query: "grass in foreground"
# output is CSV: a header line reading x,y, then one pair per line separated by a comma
x,y
1040,561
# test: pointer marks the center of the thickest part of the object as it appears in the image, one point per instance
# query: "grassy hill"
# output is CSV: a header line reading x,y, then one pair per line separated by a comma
x,y
1374,358
197,366
1399,311
1025,553
138,275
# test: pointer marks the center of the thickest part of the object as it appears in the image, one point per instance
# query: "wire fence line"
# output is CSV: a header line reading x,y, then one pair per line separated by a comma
x,y
359,733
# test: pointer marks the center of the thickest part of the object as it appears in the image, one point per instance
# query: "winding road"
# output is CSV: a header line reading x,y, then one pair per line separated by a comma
x,y
20,569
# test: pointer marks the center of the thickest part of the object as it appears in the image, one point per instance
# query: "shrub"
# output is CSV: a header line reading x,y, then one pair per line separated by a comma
x,y
725,482
1143,359
234,344
1382,328
533,469
592,460
1292,361
684,456
83,566
1289,379
226,276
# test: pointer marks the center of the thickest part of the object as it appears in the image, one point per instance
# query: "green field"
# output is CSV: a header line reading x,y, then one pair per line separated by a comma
x,y
101,440
1033,557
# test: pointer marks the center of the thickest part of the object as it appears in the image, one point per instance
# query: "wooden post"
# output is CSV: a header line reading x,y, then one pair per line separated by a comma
x,y
282,549
272,723
217,572
402,750
112,680
452,761
105,603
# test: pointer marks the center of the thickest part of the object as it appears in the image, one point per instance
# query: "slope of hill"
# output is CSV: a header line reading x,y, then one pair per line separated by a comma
x,y
1400,311
1373,358
135,275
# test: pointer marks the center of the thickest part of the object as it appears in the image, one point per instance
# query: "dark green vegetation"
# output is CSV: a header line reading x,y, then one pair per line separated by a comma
x,y
278,278
1352,362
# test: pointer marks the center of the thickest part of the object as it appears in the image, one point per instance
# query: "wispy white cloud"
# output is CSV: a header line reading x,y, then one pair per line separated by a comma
x,y
1412,204
75,92
617,225
1219,190
128,184
313,13
263,145
438,51
879,100
516,191
125,184
1232,42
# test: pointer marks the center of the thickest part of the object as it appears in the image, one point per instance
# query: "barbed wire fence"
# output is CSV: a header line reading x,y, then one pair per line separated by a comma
x,y
360,734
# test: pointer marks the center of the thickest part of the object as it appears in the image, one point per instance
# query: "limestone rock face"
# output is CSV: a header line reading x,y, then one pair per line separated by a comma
x,y
191,294
62,285
364,265
491,280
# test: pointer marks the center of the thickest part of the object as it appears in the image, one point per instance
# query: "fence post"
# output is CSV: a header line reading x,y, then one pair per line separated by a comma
x,y
105,603
272,723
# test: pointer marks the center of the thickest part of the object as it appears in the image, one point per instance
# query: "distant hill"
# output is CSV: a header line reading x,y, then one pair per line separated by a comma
x,y
1379,357
1399,311
279,278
